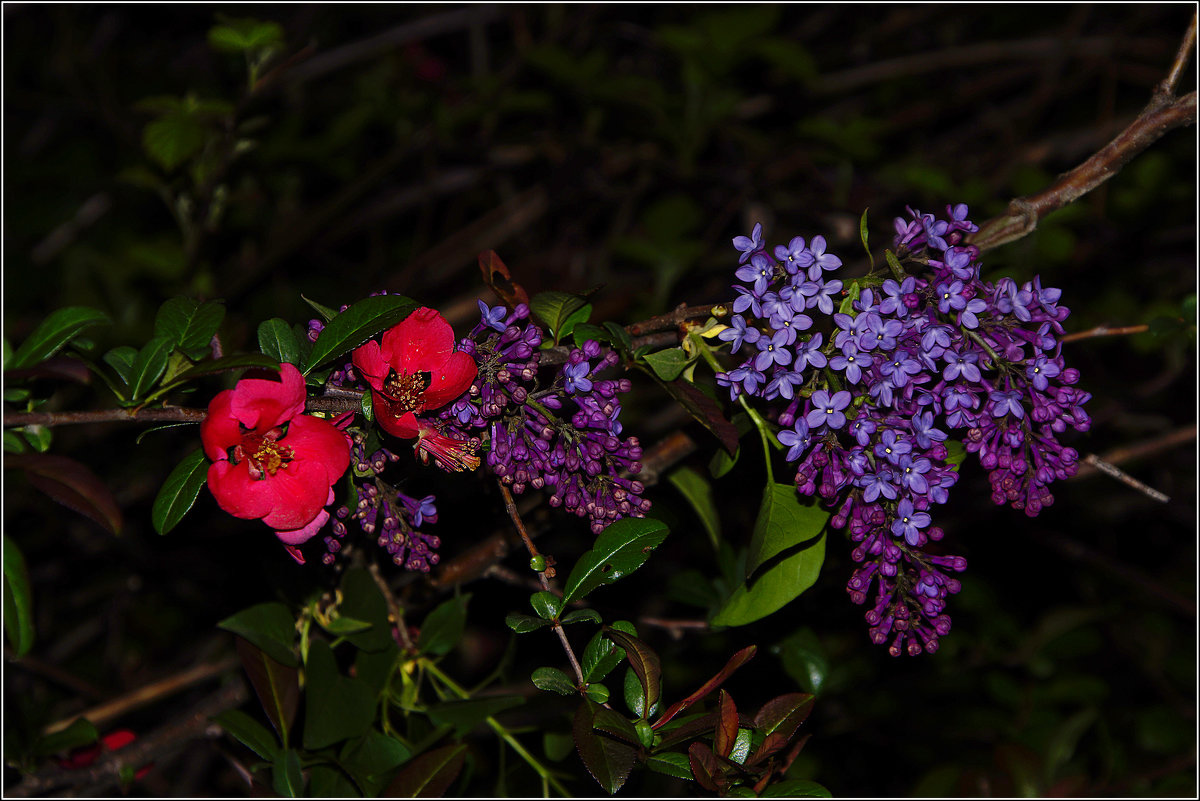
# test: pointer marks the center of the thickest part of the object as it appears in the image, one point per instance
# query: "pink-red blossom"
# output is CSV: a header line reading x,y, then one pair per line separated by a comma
x,y
415,370
271,461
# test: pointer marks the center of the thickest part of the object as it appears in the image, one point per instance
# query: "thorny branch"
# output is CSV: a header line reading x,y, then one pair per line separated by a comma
x,y
1163,113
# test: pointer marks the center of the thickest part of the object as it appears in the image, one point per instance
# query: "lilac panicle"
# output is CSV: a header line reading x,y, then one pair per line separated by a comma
x,y
872,394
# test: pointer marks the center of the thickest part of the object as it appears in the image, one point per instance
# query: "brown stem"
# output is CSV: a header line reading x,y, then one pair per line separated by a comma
x,y
1105,331
395,614
511,506
175,414
1139,451
1163,113
673,318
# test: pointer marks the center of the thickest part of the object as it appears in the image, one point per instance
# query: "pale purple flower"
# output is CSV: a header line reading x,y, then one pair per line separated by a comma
x,y
827,409
1006,403
796,439
737,332
749,244
908,523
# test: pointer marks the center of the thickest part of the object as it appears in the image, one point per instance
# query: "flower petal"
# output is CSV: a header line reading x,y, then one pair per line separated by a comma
x,y
300,490
239,494
419,343
220,431
452,378
369,361
313,439
263,404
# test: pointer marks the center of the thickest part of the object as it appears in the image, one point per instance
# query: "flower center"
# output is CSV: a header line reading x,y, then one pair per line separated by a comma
x,y
407,391
264,452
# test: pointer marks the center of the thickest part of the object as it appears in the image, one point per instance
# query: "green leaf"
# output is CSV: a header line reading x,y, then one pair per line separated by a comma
x,y
179,491
340,626
523,624
554,309
356,325
553,680
670,763
862,235
466,714
376,668
804,660
324,312
598,693
249,732
608,760
443,627
276,685
955,453
667,364
600,657
777,585
14,443
847,304
371,759
53,333
336,707
581,616
277,340
576,318
121,360
269,626
721,463
783,522
287,778
699,494
238,35
174,138
326,781
796,788
81,732
38,437
620,549
239,361
149,365
645,663
619,336
546,604
189,324
614,723
362,600
582,332
430,774
18,600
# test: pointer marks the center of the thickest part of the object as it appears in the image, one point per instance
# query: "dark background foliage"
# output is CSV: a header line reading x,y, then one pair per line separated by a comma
x,y
622,147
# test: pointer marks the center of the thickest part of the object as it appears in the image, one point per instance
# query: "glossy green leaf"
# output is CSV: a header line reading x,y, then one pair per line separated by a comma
x,y
554,308
582,332
523,624
53,333
376,668
340,626
576,318
79,733
336,707
269,626
468,713
607,759
581,616
356,325
620,549
546,604
645,664
326,314
553,680
249,732
443,627
121,360
611,722
179,491
667,364
362,600
287,778
149,365
598,693
600,657
804,660
670,763
699,494
783,522
618,335
240,361
189,324
277,340
276,685
847,304
777,721
18,600
430,774
371,760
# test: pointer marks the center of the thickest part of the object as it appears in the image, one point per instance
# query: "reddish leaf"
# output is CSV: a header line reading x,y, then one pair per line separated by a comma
x,y
645,664
60,367
496,276
736,661
727,725
608,760
778,719
430,774
687,731
72,484
277,685
706,410
705,768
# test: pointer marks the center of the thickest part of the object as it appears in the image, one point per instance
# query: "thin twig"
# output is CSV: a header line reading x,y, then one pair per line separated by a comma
x,y
673,318
174,414
543,576
1166,89
1127,454
1120,475
1105,331
395,614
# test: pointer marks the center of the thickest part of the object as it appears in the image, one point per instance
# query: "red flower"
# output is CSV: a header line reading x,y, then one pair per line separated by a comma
x,y
416,370
269,460
86,756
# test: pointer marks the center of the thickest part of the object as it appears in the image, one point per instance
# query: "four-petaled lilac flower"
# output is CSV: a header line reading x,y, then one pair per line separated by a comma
x,y
772,351
749,244
967,316
862,428
1048,297
949,296
923,431
783,384
759,270
880,333
912,474
893,302
492,318
892,446
575,377
851,362
795,256
821,259
1006,403
962,364
876,484
787,322
827,410
796,439
738,332
899,367
822,297
1041,370
810,353
908,523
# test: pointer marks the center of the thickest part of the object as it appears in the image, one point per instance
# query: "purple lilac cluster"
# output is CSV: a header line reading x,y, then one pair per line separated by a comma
x,y
392,518
574,452
869,387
